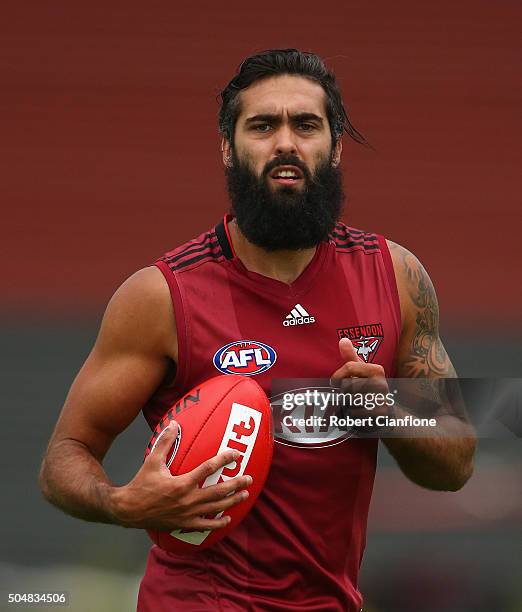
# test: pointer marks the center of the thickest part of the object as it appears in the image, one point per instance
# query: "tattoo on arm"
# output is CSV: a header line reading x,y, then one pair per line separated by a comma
x,y
427,356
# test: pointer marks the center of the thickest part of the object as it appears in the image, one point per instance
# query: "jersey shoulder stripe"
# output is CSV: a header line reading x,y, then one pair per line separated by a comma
x,y
200,250
347,239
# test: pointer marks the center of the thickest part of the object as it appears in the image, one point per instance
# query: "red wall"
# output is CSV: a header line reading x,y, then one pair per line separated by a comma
x,y
110,151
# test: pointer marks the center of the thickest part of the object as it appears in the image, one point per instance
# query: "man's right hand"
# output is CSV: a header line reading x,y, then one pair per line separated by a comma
x,y
154,499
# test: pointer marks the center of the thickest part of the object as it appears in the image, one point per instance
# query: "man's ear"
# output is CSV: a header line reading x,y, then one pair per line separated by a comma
x,y
226,148
337,150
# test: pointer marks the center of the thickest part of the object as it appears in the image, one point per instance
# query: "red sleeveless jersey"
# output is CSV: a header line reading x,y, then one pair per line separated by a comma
x,y
301,546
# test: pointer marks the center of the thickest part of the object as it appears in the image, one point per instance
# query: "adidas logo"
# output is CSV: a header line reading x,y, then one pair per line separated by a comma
x,y
298,316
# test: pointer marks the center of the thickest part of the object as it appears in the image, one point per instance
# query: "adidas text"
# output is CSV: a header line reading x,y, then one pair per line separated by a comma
x,y
299,321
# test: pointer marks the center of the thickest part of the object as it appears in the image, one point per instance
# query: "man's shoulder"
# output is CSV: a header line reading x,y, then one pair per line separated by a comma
x,y
414,284
140,312
146,286
404,261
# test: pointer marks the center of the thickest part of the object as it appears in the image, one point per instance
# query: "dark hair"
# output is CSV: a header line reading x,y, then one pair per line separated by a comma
x,y
286,61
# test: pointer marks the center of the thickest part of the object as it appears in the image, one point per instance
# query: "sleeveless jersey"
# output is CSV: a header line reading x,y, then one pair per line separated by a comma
x,y
301,545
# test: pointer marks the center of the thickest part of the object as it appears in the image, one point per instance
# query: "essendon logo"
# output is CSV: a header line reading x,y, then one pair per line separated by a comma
x,y
246,357
366,339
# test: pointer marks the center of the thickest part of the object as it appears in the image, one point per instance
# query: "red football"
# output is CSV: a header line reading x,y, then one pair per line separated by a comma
x,y
224,412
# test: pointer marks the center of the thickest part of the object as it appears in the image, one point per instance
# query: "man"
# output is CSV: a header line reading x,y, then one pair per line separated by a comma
x,y
280,256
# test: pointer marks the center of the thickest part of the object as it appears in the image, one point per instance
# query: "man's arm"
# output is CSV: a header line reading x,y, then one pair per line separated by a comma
x,y
439,458
444,460
136,341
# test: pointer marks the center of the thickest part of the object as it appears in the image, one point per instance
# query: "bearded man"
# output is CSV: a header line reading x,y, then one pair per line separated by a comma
x,y
281,270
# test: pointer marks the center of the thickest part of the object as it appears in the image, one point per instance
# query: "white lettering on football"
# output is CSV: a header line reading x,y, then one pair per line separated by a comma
x,y
240,434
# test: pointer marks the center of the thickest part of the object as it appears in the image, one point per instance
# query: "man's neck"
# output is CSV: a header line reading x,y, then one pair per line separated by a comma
x,y
284,265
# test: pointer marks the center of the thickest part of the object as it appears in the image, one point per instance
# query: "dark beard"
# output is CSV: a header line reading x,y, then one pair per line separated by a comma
x,y
285,218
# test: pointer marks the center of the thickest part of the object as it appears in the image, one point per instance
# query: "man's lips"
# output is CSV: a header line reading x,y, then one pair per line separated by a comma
x,y
286,175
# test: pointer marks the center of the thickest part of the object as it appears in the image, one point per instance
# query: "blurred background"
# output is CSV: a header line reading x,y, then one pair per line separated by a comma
x,y
110,156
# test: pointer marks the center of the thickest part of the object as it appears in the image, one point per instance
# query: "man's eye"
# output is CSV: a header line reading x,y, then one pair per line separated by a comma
x,y
306,127
262,127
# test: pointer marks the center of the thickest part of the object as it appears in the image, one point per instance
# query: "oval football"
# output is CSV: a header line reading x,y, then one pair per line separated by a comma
x,y
224,412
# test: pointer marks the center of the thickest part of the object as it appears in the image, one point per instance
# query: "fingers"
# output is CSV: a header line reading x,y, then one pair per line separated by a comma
x,y
350,356
218,491
164,442
203,524
360,369
178,502
213,500
356,384
211,466
339,374
220,506
347,350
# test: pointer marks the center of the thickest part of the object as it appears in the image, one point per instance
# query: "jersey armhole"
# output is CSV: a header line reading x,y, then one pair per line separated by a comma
x,y
393,291
181,324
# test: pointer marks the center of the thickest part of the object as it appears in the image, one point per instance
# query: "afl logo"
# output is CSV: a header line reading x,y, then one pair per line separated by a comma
x,y
246,357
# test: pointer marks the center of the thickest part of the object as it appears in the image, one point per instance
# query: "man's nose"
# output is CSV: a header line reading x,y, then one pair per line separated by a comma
x,y
285,141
